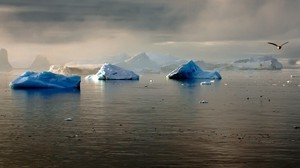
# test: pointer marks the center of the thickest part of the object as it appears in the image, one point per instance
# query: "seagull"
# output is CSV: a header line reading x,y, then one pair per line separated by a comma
x,y
277,46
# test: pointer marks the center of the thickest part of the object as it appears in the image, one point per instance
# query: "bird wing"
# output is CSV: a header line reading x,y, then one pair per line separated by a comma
x,y
273,44
284,43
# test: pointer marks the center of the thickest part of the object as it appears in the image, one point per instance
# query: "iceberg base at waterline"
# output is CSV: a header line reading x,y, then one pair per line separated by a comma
x,y
191,70
44,80
113,72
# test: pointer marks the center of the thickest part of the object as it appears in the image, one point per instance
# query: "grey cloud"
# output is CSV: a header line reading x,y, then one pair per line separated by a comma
x,y
72,16
60,21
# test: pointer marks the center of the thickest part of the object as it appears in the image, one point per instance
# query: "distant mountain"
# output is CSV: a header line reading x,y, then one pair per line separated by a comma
x,y
140,63
4,63
117,58
163,60
40,63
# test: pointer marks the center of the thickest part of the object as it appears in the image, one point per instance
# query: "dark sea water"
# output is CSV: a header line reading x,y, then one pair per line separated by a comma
x,y
251,119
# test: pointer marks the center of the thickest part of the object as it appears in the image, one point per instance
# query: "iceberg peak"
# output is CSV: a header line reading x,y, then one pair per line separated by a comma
x,y
191,70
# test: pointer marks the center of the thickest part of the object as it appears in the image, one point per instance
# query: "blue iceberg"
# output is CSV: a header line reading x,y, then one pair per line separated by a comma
x,y
113,72
43,80
191,70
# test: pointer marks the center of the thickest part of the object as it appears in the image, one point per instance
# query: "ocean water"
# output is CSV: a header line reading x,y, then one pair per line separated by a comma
x,y
249,119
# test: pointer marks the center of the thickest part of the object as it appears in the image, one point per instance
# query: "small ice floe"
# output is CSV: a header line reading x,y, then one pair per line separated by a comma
x,y
68,119
295,76
297,127
203,102
205,83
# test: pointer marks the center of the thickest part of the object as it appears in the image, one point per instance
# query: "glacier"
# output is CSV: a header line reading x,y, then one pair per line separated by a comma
x,y
191,70
45,79
113,72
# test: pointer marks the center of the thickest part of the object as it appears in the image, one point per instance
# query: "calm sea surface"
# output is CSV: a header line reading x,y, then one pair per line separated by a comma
x,y
251,119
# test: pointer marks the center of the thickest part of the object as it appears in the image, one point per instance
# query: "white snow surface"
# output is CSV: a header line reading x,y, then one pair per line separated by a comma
x,y
191,70
113,72
45,79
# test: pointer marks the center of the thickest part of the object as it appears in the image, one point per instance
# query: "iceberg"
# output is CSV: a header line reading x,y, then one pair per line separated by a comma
x,y
113,72
261,63
45,79
76,69
191,70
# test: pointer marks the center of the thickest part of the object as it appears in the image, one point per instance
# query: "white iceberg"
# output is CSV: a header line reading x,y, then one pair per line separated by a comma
x,y
72,69
191,70
113,72
35,80
261,63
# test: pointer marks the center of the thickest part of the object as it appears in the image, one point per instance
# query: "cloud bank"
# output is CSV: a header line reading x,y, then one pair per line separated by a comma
x,y
98,28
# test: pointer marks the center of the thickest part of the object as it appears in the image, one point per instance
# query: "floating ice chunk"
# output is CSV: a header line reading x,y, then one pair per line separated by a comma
x,y
68,119
203,102
205,83
30,80
191,70
113,72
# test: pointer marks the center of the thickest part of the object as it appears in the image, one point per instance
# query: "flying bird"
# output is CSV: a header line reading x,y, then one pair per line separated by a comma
x,y
277,46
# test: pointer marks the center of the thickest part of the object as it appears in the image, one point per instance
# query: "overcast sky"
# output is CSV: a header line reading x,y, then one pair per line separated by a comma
x,y
209,30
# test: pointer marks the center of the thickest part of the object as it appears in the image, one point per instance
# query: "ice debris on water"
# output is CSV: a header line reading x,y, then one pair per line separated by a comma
x,y
68,119
203,102
205,83
297,127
